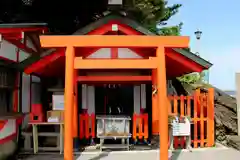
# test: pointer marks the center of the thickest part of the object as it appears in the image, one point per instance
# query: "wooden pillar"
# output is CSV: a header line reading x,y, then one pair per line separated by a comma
x,y
162,99
210,115
238,100
68,110
16,93
75,107
155,110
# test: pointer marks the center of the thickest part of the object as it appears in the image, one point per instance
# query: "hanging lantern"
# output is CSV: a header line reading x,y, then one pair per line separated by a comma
x,y
198,34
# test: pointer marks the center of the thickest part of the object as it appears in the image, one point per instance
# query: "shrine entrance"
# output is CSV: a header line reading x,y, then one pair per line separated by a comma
x,y
114,99
119,46
75,64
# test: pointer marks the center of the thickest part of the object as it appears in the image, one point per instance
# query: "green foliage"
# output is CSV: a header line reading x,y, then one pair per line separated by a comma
x,y
189,78
170,31
192,78
152,12
147,12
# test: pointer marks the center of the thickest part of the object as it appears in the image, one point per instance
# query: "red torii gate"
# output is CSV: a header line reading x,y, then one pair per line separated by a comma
x,y
157,64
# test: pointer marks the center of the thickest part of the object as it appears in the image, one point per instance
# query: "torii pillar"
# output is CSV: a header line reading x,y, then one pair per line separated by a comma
x,y
73,63
162,103
69,102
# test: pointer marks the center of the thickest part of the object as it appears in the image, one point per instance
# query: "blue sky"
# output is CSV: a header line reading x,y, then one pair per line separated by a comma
x,y
220,41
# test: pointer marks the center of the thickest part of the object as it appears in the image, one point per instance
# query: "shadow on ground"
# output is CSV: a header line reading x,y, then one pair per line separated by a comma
x,y
102,155
175,155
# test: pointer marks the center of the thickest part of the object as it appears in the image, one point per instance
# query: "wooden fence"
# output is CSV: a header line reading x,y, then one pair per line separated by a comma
x,y
140,126
200,107
87,126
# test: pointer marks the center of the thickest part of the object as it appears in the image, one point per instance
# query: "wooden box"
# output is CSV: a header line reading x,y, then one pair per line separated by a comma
x,y
55,114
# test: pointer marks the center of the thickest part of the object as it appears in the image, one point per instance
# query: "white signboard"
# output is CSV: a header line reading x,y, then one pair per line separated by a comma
x,y
181,129
58,102
115,2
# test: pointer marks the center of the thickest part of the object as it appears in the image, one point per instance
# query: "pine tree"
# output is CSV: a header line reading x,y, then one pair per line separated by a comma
x,y
153,13
148,12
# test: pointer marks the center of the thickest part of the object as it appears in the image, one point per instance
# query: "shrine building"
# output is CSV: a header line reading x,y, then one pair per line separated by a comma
x,y
111,67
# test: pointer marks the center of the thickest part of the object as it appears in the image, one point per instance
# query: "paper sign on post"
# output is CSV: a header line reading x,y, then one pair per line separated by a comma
x,y
181,129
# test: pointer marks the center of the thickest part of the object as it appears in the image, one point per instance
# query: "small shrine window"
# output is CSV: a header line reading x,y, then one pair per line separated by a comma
x,y
7,83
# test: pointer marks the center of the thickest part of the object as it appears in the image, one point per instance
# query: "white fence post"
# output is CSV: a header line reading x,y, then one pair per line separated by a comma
x,y
238,100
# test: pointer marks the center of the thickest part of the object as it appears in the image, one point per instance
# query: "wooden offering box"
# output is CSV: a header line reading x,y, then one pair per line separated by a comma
x,y
113,127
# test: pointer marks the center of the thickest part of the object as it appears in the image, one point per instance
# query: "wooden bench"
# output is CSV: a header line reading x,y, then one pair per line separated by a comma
x,y
35,136
28,140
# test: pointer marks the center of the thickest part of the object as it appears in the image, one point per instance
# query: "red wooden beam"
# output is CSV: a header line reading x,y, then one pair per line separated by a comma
x,y
22,29
35,42
108,27
101,30
13,35
142,52
80,63
54,56
45,61
85,52
22,46
114,53
183,60
113,78
127,30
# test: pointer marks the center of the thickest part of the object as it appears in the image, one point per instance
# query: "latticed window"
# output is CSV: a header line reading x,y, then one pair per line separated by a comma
x,y
7,83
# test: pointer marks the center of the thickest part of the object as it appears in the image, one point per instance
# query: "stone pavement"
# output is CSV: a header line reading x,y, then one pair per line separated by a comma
x,y
196,154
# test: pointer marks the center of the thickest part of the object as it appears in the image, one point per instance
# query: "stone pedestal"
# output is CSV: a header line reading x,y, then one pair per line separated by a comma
x,y
8,149
155,141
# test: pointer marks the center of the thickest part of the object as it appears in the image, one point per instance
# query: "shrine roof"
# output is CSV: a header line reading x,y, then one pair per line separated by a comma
x,y
118,17
6,28
138,27
22,25
125,21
